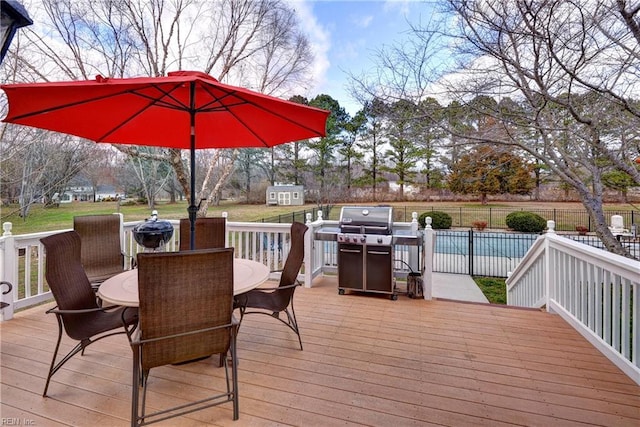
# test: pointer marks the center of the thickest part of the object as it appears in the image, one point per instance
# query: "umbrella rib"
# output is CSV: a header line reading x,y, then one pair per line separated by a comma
x,y
153,101
156,101
71,104
238,95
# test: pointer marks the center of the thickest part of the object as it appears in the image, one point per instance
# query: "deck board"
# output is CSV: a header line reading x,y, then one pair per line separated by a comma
x,y
367,361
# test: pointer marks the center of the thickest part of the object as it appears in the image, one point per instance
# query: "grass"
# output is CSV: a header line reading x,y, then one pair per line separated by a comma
x,y
494,288
61,218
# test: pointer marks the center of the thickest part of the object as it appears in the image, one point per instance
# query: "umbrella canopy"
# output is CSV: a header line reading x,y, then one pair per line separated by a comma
x,y
187,109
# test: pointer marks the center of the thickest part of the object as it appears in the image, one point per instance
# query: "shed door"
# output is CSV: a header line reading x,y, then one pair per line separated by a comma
x,y
284,198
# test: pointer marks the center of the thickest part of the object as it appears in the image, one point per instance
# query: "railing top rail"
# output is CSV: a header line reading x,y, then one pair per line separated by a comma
x,y
626,267
594,255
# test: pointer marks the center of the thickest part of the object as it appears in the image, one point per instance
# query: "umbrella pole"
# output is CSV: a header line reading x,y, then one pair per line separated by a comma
x,y
193,209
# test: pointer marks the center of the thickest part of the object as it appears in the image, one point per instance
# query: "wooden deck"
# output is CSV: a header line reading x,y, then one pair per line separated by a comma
x,y
367,361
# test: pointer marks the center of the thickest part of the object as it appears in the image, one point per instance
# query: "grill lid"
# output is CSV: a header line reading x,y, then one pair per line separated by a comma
x,y
153,232
366,219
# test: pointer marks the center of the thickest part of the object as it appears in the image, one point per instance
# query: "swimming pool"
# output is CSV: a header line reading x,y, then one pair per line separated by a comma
x,y
480,253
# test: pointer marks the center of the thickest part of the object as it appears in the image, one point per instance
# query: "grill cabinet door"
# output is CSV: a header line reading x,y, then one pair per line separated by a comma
x,y
379,276
350,266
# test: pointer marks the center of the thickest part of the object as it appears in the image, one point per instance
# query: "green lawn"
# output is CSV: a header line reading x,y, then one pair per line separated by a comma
x,y
60,218
494,288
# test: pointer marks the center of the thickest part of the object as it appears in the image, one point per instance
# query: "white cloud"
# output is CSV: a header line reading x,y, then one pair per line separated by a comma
x,y
402,6
362,21
350,50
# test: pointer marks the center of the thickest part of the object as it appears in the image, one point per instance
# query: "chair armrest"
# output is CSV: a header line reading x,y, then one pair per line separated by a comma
x,y
134,260
275,288
56,310
135,338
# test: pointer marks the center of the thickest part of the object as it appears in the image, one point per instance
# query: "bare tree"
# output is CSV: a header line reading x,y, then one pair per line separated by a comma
x,y
569,66
255,43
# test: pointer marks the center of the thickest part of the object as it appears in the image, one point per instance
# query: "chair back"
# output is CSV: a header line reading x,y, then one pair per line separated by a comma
x,y
210,233
68,281
101,250
296,255
183,292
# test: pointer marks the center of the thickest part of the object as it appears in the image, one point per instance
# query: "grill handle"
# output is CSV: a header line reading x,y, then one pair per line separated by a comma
x,y
351,251
378,253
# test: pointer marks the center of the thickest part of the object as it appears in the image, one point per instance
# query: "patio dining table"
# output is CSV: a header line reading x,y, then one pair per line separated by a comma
x,y
122,289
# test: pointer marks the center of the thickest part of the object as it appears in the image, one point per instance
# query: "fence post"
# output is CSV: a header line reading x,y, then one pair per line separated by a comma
x,y
490,217
470,252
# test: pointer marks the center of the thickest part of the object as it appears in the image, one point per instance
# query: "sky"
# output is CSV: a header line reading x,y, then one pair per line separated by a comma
x,y
346,35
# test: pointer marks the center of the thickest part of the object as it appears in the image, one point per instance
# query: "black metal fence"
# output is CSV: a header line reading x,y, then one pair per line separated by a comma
x,y
565,219
480,253
632,243
495,254
299,216
486,253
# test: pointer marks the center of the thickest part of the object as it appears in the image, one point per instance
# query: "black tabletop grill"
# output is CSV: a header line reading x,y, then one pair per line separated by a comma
x,y
365,250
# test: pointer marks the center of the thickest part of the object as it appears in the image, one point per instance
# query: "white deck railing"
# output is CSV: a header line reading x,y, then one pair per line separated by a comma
x,y
22,256
595,291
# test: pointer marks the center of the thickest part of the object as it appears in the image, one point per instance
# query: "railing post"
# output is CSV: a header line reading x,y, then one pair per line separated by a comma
x,y
414,261
548,288
308,252
225,215
9,270
427,251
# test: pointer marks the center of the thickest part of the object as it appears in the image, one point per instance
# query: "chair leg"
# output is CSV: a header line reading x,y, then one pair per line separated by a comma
x,y
136,383
55,367
234,375
293,322
53,360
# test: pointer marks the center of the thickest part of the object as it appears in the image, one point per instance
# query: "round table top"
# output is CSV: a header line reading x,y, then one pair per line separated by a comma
x,y
122,289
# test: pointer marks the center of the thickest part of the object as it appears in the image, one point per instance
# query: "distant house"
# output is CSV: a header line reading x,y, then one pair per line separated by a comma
x,y
86,193
108,193
284,195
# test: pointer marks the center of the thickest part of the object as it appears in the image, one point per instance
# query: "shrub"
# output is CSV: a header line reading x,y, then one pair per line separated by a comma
x,y
479,225
441,220
581,229
526,222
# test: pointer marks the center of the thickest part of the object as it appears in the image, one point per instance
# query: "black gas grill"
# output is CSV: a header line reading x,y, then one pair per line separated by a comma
x,y
365,250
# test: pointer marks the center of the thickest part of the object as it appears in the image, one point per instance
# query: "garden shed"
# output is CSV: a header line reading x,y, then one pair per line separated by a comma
x,y
285,194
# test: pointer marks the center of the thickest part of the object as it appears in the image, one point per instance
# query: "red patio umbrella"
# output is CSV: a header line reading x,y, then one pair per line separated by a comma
x,y
186,109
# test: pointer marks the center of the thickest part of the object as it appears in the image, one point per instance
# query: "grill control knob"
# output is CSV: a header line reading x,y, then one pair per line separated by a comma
x,y
363,239
380,240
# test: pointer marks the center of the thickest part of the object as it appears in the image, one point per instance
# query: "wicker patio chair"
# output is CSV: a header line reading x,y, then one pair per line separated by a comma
x,y
101,251
273,301
186,314
210,233
77,310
